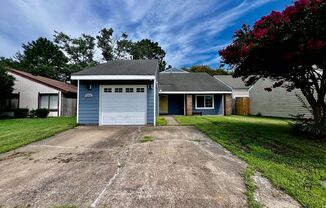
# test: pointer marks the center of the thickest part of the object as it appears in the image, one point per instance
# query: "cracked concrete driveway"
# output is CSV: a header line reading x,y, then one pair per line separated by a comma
x,y
111,167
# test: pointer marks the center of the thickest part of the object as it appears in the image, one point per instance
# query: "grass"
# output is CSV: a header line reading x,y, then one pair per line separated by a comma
x,y
294,164
18,132
161,121
146,139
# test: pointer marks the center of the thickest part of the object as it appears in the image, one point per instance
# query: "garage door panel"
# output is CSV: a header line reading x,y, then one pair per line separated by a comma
x,y
123,108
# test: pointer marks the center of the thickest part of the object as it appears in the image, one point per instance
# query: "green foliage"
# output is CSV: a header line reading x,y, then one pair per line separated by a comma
x,y
208,70
308,128
161,121
21,113
288,47
293,163
105,42
147,49
42,57
18,132
80,51
146,139
6,84
251,187
41,113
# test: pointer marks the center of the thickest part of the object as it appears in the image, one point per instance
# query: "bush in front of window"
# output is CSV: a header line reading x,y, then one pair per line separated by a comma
x,y
21,113
32,113
42,113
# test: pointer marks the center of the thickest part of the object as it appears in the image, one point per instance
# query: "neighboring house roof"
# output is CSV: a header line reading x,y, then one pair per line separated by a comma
x,y
234,83
122,67
190,82
61,86
174,70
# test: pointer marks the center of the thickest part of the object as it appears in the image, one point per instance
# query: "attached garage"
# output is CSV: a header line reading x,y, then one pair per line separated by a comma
x,y
120,92
123,104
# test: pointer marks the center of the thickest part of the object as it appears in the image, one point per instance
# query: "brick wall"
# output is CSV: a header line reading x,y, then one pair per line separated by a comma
x,y
189,105
227,104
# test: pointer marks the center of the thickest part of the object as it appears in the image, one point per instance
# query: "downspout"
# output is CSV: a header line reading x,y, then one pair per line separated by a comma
x,y
77,113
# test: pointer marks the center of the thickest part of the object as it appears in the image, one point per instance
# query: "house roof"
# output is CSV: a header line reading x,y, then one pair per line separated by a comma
x,y
174,70
235,83
61,86
190,82
122,67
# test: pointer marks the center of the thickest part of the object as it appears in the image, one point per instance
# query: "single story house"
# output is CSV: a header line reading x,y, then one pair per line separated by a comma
x,y
184,93
132,92
277,103
122,92
34,92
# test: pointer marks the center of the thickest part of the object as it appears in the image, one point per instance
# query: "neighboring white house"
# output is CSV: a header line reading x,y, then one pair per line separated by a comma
x,y
35,92
279,102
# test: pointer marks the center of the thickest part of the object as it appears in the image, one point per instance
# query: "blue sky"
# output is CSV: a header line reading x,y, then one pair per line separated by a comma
x,y
190,31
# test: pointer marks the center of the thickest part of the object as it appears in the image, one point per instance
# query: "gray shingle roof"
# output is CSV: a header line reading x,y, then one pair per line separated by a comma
x,y
174,70
122,67
190,82
235,83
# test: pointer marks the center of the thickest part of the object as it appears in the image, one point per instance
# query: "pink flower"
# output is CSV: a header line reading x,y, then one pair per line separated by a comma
x,y
259,33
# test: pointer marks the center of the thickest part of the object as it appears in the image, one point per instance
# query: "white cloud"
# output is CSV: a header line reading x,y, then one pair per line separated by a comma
x,y
189,31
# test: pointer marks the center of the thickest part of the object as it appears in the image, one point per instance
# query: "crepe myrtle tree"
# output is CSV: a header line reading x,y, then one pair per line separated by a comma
x,y
288,47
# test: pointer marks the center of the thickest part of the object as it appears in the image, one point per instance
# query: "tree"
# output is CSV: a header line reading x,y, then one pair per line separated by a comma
x,y
80,51
146,49
207,69
114,48
288,47
44,58
6,84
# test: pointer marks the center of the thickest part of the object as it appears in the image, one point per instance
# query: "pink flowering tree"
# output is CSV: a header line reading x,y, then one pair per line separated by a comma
x,y
290,48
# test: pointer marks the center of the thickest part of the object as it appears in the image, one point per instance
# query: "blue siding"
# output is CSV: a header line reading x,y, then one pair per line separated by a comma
x,y
150,105
88,106
218,106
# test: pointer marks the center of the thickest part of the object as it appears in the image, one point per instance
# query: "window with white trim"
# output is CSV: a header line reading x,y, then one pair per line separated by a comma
x,y
140,89
49,101
118,90
129,90
204,101
106,89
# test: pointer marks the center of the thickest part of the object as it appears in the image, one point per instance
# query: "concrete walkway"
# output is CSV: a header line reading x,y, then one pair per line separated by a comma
x,y
171,121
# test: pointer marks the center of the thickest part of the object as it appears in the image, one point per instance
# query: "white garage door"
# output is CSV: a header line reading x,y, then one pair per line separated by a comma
x,y
123,104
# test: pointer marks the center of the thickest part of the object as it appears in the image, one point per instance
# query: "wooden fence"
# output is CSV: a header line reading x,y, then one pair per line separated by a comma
x,y
242,106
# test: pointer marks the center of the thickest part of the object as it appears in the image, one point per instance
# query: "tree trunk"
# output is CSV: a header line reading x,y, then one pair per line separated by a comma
x,y
318,111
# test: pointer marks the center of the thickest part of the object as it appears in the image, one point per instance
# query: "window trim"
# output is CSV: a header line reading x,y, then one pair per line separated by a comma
x,y
48,94
213,102
9,101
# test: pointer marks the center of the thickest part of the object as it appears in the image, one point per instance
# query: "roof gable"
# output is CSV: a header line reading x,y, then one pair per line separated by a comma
x,y
61,86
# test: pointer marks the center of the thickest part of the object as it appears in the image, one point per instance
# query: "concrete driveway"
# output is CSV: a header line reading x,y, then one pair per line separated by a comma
x,y
111,167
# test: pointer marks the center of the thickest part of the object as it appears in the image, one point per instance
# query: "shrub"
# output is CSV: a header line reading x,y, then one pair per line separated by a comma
x,y
41,113
309,128
32,114
21,113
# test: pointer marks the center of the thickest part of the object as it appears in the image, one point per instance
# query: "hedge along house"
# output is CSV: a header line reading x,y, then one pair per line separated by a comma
x,y
34,92
184,93
118,93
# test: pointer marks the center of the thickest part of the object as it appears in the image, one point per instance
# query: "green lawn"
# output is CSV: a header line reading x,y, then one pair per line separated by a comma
x,y
293,163
18,132
161,121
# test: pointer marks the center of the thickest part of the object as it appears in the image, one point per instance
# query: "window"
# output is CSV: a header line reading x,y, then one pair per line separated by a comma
x,y
49,102
118,90
205,102
129,89
107,89
140,89
10,103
